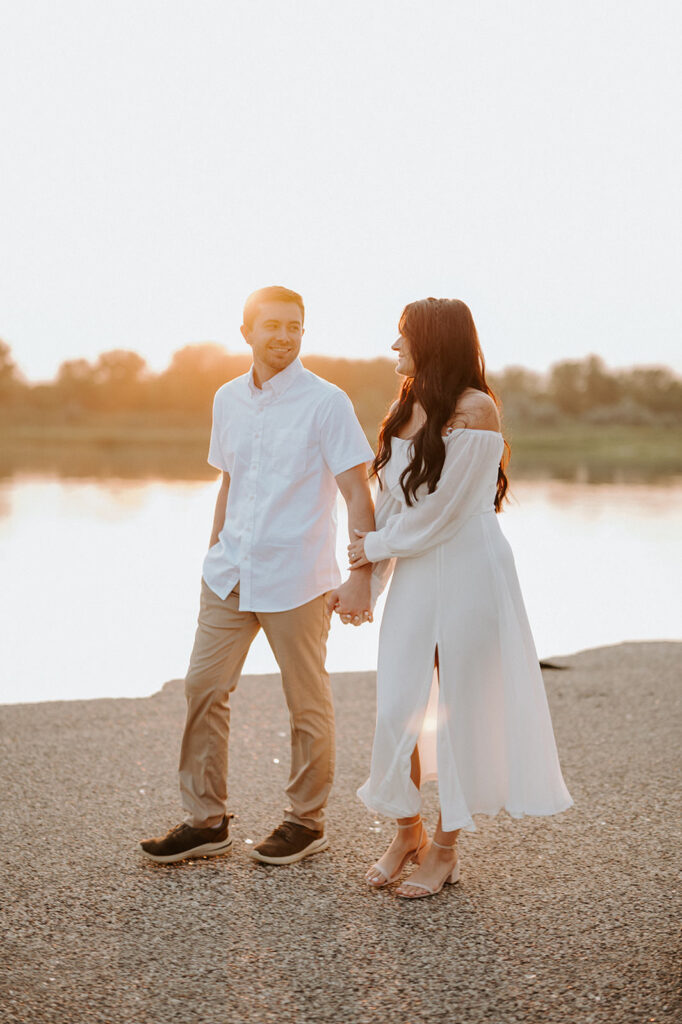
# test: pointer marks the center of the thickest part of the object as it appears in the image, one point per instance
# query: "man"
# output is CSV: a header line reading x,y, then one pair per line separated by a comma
x,y
284,440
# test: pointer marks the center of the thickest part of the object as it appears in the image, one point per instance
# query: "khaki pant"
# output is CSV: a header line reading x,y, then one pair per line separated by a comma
x,y
298,639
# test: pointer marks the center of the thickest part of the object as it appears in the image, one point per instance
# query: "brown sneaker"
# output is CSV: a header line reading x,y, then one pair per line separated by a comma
x,y
288,843
184,842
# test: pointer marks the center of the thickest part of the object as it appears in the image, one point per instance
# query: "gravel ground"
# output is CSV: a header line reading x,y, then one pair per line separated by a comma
x,y
572,919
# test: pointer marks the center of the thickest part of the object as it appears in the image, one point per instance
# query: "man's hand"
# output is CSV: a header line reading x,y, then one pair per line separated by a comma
x,y
352,601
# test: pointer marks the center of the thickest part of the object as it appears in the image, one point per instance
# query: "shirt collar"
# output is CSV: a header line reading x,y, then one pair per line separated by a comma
x,y
280,382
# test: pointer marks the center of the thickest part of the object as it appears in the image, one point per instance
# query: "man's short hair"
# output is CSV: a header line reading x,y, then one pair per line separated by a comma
x,y
273,293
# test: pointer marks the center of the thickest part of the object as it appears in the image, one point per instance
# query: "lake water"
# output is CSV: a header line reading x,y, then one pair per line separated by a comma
x,y
100,579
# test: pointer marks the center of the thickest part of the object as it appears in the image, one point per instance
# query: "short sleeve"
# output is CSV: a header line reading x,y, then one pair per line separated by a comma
x,y
342,439
215,454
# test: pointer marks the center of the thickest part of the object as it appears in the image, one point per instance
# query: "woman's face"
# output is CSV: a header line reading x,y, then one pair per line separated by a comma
x,y
405,367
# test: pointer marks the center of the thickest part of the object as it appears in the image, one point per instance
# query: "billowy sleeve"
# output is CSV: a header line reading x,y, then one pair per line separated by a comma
x,y
436,517
386,507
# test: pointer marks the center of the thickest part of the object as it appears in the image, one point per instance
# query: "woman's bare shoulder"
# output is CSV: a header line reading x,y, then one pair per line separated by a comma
x,y
477,411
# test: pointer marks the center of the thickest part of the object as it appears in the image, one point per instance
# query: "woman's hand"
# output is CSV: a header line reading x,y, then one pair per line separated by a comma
x,y
356,551
356,620
351,601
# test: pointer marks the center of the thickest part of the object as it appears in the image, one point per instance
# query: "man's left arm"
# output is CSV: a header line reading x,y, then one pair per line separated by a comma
x,y
353,597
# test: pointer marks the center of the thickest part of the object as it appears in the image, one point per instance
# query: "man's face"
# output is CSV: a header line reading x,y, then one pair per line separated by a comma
x,y
276,335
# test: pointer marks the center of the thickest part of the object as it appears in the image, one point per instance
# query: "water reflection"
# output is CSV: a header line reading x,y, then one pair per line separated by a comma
x,y
104,461
596,471
185,459
101,577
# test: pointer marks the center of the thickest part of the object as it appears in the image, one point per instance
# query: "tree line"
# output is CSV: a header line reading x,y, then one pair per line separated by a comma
x,y
120,383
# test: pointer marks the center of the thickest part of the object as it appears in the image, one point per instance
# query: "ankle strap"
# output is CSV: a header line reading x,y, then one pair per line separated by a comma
x,y
411,824
441,847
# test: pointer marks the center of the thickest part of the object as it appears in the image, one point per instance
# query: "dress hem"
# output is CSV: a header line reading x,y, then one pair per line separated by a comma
x,y
468,824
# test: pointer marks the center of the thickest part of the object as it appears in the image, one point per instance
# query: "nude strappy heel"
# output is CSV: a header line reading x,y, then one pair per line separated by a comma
x,y
416,855
451,876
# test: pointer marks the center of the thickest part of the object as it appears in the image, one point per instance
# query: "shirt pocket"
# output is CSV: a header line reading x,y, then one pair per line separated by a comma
x,y
291,453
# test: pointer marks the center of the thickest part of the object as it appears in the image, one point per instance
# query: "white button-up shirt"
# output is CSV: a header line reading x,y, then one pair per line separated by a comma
x,y
282,445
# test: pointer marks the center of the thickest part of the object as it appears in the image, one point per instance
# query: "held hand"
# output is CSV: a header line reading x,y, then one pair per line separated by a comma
x,y
353,601
334,605
356,551
356,620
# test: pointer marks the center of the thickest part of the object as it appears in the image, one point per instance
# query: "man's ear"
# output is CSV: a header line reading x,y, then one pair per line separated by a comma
x,y
245,333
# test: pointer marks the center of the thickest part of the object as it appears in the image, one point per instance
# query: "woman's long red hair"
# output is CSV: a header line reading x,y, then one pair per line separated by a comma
x,y
447,357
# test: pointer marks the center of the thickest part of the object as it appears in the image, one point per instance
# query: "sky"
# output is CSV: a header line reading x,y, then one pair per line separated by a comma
x,y
161,160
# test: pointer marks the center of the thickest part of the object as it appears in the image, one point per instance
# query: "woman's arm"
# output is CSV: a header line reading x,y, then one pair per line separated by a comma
x,y
435,517
386,506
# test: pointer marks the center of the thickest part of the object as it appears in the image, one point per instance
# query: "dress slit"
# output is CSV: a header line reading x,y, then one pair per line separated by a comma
x,y
457,666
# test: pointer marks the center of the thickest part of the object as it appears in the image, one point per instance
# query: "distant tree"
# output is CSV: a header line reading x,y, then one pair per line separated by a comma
x,y
118,378
625,412
588,389
119,368
523,394
199,361
120,381
599,386
653,387
518,389
76,385
10,381
195,374
566,386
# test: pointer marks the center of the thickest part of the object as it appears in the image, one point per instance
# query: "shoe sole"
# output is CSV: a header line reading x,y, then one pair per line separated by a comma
x,y
451,879
317,846
207,850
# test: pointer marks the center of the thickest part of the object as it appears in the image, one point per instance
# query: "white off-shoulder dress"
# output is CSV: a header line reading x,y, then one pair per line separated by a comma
x,y
482,723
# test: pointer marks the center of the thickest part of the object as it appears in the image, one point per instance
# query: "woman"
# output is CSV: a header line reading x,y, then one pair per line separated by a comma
x,y
454,602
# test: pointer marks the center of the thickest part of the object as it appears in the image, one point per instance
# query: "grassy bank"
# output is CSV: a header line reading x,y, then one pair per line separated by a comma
x,y
584,451
144,448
